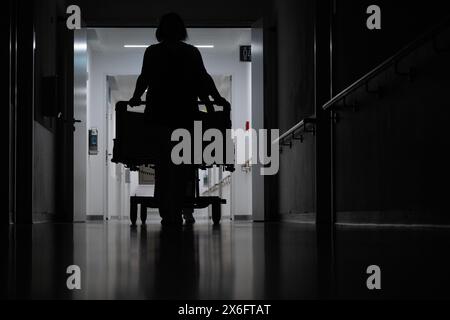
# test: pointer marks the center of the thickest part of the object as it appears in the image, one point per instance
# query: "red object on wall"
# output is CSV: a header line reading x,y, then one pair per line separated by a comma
x,y
247,125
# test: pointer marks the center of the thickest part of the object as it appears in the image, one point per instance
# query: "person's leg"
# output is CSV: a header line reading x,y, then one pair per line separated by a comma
x,y
175,191
188,215
165,180
169,192
190,194
161,178
155,137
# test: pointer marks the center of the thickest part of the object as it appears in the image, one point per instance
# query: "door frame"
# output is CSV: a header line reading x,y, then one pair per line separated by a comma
x,y
268,182
22,105
8,218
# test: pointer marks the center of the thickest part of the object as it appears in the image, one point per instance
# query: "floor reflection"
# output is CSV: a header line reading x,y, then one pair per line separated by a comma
x,y
240,260
414,262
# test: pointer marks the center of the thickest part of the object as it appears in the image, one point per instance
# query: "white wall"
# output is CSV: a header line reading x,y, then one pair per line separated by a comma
x,y
117,204
129,63
240,72
88,121
102,65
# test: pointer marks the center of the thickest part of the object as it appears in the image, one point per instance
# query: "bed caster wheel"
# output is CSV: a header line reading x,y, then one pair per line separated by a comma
x,y
216,213
133,213
143,214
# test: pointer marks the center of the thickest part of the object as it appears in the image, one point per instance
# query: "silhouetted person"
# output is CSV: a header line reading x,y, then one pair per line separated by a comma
x,y
175,77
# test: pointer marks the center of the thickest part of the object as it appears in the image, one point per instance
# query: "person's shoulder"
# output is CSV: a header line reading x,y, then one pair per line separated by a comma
x,y
152,47
189,47
149,49
186,45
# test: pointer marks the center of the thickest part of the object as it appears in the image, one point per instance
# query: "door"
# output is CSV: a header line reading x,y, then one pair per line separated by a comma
x,y
7,218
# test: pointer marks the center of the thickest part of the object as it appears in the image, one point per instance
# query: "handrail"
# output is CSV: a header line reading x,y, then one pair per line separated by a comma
x,y
425,37
291,132
428,35
124,104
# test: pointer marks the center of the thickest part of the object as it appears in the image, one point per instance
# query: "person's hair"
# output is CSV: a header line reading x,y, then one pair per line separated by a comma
x,y
171,27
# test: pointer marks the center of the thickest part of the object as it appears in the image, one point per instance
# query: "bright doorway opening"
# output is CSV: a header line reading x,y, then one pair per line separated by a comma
x,y
113,62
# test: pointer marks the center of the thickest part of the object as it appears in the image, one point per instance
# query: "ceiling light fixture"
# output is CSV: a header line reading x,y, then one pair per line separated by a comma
x,y
146,45
135,46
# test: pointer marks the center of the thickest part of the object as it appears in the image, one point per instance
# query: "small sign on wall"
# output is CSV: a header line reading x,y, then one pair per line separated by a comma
x,y
245,53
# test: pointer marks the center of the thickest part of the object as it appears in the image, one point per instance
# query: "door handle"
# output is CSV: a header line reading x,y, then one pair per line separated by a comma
x,y
73,122
64,120
60,117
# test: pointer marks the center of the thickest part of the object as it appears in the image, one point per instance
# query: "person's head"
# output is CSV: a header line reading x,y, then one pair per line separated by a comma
x,y
171,27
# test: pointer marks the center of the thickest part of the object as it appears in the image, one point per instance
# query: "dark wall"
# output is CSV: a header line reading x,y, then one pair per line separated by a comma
x,y
22,83
295,90
8,122
36,59
145,12
44,134
391,155
356,49
390,164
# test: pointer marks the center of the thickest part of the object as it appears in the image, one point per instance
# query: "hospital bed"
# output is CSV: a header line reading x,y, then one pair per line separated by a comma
x,y
134,151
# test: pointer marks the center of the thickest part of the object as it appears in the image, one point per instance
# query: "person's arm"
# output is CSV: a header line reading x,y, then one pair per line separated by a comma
x,y
208,104
141,86
142,81
209,87
214,93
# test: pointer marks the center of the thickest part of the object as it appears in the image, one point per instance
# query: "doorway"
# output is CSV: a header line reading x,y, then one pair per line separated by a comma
x,y
114,59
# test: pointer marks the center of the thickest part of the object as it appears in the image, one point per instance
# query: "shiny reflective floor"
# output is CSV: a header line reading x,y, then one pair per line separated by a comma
x,y
238,260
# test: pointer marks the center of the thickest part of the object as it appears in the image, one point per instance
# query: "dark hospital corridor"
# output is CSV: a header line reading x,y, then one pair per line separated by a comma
x,y
202,155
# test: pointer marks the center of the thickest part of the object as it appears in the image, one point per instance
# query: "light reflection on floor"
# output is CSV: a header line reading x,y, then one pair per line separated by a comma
x,y
238,260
